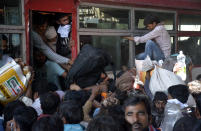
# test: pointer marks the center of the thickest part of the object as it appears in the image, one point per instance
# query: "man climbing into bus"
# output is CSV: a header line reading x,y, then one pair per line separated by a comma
x,y
158,42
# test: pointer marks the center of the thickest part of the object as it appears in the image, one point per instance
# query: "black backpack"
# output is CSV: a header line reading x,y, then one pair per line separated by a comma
x,y
88,66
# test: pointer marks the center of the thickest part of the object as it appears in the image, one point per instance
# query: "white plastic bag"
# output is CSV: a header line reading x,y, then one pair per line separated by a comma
x,y
142,66
162,79
147,64
138,64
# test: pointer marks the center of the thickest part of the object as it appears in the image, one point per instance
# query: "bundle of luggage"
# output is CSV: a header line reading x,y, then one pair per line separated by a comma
x,y
172,71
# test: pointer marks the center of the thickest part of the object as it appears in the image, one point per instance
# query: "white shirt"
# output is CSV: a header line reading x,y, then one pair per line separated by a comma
x,y
64,30
37,106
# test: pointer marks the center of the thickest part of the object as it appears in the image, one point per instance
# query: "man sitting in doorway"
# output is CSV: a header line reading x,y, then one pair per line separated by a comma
x,y
158,42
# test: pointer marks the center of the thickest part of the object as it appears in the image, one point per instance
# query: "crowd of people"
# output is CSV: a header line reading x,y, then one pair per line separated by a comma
x,y
108,105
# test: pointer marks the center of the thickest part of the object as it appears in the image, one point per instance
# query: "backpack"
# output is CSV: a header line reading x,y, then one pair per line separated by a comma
x,y
88,66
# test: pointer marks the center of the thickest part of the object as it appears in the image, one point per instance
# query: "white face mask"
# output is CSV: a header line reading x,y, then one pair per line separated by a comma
x,y
64,30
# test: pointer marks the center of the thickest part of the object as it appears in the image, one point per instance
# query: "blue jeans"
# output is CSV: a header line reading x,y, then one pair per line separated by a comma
x,y
152,50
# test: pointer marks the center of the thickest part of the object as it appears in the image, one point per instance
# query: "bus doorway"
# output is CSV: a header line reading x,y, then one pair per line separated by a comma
x,y
51,46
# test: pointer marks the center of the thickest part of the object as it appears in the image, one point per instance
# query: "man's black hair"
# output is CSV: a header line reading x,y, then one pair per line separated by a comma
x,y
138,99
39,19
25,117
8,110
80,96
61,15
150,19
179,92
185,124
37,62
40,86
71,111
103,123
116,112
161,96
52,87
49,102
48,123
4,37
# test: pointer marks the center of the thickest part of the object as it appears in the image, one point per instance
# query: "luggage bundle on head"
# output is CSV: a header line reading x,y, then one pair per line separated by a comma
x,y
88,66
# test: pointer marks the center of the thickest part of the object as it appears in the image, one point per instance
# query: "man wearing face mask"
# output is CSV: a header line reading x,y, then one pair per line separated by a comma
x,y
64,27
4,57
137,112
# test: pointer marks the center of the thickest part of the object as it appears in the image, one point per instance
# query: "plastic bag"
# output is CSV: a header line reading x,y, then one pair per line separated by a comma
x,y
180,70
162,79
180,66
142,66
138,64
147,64
12,82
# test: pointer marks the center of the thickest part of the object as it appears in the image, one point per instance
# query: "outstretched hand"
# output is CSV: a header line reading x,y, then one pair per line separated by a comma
x,y
128,38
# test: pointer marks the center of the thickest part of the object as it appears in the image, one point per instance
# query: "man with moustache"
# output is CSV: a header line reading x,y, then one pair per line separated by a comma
x,y
137,112
158,106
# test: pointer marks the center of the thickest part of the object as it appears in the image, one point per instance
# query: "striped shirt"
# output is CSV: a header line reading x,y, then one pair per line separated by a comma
x,y
159,35
51,55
